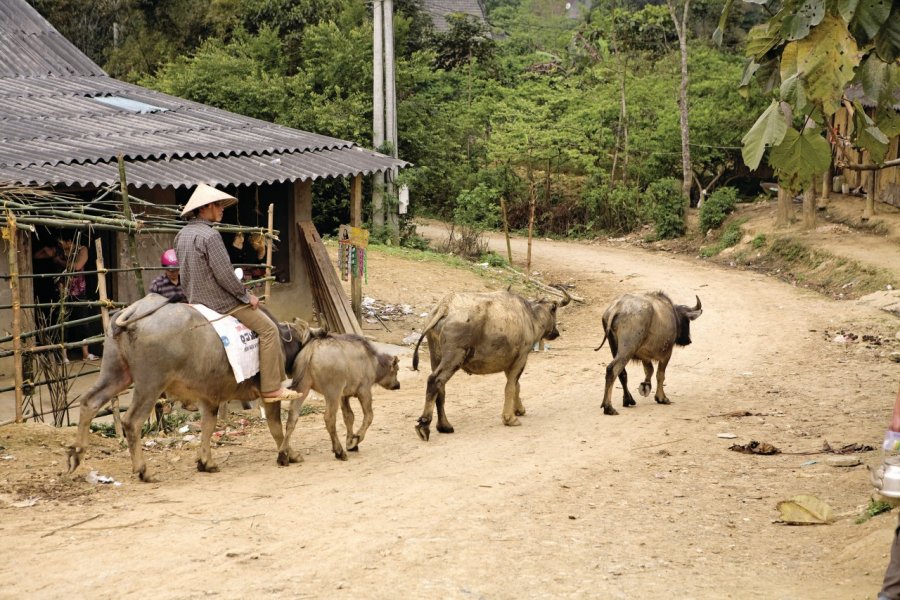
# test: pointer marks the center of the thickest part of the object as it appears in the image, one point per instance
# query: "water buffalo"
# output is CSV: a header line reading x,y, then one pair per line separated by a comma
x,y
483,333
338,367
643,327
172,348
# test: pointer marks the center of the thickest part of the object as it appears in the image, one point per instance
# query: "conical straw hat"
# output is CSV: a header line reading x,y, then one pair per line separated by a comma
x,y
204,195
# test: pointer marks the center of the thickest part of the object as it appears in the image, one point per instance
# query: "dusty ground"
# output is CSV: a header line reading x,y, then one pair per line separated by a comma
x,y
648,504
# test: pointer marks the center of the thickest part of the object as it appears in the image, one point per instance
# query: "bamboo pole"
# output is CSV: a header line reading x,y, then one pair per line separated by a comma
x,y
104,314
132,242
269,243
14,291
506,228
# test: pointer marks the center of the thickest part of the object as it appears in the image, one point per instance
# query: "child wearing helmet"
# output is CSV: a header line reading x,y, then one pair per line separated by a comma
x,y
169,283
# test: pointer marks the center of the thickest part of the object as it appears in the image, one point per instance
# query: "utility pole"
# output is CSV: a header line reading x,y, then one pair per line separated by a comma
x,y
391,114
378,108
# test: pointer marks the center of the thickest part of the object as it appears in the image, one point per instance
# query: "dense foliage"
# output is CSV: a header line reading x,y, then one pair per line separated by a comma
x,y
578,114
717,207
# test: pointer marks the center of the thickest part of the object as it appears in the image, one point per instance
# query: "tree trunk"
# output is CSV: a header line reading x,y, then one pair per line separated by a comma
x,y
809,207
681,30
783,212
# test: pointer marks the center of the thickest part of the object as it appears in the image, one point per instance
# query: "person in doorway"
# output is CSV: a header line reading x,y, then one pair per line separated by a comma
x,y
207,277
890,589
169,283
71,257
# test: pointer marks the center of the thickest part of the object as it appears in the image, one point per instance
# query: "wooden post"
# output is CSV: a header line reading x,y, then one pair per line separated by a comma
x,y
132,243
356,221
506,228
531,203
269,242
10,236
869,210
104,314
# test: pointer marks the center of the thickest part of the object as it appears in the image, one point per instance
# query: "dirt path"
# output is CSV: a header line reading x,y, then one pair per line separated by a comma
x,y
572,504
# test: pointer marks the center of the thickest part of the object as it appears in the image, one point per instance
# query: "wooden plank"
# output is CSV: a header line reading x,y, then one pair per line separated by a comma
x,y
332,300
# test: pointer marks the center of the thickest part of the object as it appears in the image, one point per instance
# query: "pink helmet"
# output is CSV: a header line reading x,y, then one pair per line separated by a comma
x,y
168,258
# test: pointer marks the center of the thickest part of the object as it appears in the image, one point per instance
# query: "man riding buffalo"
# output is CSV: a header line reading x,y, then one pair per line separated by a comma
x,y
207,278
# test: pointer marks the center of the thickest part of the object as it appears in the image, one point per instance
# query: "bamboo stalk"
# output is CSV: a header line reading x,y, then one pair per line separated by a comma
x,y
16,325
29,334
59,346
269,244
132,242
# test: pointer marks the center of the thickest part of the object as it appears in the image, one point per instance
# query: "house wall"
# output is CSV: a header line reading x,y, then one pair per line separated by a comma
x,y
887,181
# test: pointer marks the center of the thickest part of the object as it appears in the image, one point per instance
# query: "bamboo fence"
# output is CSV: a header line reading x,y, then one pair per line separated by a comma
x,y
38,366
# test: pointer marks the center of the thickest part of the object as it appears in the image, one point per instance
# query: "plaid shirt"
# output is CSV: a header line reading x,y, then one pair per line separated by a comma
x,y
207,276
163,286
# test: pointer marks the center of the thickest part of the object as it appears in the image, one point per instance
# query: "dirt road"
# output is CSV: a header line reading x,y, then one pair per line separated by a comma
x,y
648,504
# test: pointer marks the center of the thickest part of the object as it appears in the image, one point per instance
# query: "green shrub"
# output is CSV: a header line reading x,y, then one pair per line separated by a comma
x,y
493,259
666,206
615,210
716,208
759,241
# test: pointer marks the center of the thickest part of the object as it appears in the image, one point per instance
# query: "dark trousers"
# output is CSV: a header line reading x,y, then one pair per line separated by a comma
x,y
890,589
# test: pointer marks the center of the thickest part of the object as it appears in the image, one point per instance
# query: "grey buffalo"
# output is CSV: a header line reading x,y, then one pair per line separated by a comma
x,y
163,347
644,327
483,333
340,367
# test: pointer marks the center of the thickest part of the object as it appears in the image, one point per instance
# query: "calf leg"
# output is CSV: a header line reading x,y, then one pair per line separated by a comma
x,y
660,396
332,400
349,418
142,403
450,363
512,404
365,401
648,373
207,427
443,425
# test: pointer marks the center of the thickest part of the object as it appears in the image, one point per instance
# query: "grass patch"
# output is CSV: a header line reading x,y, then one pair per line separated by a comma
x,y
759,241
875,508
731,235
789,259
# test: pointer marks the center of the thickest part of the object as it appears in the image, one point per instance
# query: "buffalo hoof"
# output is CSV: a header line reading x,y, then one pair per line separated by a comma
x,y
144,476
423,431
448,428
342,455
520,412
663,401
283,458
74,457
609,410
353,444
209,467
628,401
645,388
514,422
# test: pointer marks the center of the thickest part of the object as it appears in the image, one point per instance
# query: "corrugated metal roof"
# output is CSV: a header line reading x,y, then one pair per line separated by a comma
x,y
439,9
188,172
53,131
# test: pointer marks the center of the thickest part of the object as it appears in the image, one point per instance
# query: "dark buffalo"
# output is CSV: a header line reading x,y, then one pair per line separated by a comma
x,y
483,333
172,348
644,327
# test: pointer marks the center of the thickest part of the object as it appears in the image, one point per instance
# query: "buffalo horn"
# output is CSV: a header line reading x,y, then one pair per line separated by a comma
x,y
566,297
698,307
